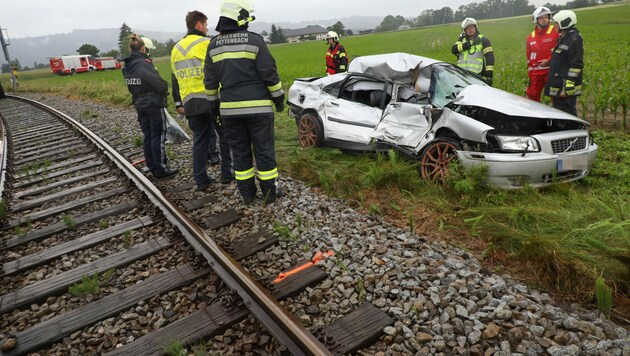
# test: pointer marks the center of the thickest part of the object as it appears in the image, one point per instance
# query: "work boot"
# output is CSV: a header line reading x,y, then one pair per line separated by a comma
x,y
168,173
269,190
214,159
248,189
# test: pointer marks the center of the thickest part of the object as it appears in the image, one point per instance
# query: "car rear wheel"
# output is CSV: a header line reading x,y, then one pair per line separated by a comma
x,y
436,158
310,131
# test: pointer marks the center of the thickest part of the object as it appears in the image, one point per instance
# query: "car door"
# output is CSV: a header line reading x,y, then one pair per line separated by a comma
x,y
355,112
405,124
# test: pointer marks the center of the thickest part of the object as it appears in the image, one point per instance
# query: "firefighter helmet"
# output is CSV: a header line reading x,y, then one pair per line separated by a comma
x,y
539,12
238,10
333,35
565,19
148,44
469,21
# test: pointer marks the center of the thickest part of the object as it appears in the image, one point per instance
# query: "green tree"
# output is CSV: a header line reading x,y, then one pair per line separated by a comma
x,y
123,39
112,53
338,27
276,35
390,23
87,48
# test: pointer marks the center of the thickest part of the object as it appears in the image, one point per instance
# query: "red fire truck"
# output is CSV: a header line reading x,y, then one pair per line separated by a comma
x,y
70,65
104,63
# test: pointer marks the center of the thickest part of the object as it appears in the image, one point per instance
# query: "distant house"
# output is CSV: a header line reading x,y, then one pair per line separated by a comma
x,y
366,32
311,32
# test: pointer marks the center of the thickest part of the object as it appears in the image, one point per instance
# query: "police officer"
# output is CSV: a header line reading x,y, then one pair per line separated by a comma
x,y
240,64
149,92
187,62
474,50
336,56
567,61
538,49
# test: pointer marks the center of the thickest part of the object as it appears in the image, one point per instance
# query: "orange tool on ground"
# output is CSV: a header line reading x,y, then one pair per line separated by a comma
x,y
319,256
137,162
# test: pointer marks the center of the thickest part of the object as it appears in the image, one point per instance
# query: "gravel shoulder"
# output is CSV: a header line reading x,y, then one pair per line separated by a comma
x,y
443,300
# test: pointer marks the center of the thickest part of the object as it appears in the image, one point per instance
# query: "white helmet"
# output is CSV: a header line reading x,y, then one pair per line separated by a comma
x,y
333,35
565,19
469,21
148,44
539,12
238,10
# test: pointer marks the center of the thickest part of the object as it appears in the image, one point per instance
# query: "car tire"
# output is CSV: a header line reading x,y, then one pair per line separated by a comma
x,y
310,131
436,158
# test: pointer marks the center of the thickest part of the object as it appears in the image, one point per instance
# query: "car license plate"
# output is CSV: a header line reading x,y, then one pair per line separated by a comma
x,y
573,162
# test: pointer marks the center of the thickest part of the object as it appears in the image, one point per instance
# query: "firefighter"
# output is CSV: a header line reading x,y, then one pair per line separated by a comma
x,y
149,92
336,56
538,49
14,76
187,62
240,64
474,51
567,61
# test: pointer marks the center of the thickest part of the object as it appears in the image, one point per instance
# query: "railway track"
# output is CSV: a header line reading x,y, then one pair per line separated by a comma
x,y
88,241
385,290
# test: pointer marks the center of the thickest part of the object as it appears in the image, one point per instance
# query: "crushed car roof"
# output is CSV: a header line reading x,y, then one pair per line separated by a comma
x,y
394,66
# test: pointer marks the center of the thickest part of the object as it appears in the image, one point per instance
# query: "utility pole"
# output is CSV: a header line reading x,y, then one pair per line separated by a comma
x,y
5,44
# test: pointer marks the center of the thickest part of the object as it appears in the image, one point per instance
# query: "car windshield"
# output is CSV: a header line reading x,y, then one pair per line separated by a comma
x,y
447,81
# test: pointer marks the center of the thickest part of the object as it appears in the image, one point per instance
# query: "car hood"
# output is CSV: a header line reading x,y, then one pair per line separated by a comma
x,y
393,66
509,104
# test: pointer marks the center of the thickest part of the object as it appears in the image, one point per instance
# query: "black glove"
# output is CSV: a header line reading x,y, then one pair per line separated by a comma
x,y
279,103
488,80
466,46
280,106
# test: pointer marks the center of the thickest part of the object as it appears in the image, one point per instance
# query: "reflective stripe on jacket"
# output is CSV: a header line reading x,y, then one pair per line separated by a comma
x,y
479,58
242,65
187,61
539,45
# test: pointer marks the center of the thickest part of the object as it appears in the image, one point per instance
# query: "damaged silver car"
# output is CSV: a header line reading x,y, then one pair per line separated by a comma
x,y
435,112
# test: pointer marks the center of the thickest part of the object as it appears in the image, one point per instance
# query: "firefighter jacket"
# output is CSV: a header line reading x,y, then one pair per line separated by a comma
x,y
187,61
336,59
146,86
538,47
567,62
240,64
475,54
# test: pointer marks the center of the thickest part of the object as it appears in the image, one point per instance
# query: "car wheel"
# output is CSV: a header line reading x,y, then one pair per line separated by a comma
x,y
435,159
310,131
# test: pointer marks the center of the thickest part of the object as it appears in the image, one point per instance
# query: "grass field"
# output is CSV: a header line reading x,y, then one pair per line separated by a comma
x,y
561,238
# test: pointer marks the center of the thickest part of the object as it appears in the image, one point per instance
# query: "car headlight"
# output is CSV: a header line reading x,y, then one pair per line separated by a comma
x,y
517,143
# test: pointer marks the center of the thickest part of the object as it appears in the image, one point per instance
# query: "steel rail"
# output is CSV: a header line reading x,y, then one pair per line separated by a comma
x,y
285,329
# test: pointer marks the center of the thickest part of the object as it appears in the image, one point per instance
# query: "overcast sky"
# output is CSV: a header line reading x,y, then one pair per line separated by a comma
x,y
29,18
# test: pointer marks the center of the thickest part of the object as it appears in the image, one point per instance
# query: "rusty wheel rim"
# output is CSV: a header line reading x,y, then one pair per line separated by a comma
x,y
436,160
307,131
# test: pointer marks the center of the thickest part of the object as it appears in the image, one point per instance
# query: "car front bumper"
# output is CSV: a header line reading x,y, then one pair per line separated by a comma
x,y
515,170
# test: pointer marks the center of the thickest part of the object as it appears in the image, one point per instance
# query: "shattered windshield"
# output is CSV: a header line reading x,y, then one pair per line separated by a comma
x,y
447,81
